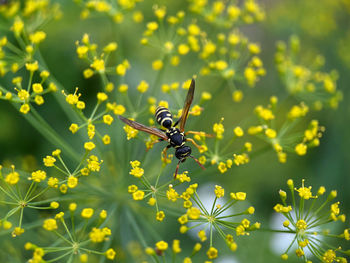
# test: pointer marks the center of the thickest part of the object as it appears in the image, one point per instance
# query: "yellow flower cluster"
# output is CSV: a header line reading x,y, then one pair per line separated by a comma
x,y
306,225
98,235
316,88
136,170
215,218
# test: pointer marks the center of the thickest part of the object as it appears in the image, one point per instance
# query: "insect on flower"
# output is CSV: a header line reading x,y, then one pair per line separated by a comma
x,y
174,136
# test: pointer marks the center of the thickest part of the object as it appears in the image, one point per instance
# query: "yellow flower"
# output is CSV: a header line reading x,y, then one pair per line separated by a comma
x,y
270,133
183,49
160,216
162,245
52,182
237,95
175,60
183,229
202,236
238,131
152,201
137,16
157,64
87,213
108,119
219,191
110,47
37,37
17,26
38,176
74,128
63,188
72,207
212,253
172,194
301,149
152,26
123,88
32,66
110,254
25,108
264,113
132,189
299,252
98,65
219,129
12,178
54,205
72,181
149,251
49,161
193,213
240,196
106,139
89,146
6,225
250,75
84,258
240,159
143,86
305,192
39,100
82,51
93,163
329,256
221,65
50,224
138,195
121,69
176,246
23,94
183,219
298,111
101,96
301,224
97,235
130,132
254,48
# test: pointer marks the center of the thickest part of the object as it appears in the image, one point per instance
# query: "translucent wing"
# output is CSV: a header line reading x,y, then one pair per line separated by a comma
x,y
187,105
141,127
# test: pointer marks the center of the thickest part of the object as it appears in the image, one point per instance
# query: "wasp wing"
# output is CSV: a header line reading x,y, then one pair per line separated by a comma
x,y
187,105
141,127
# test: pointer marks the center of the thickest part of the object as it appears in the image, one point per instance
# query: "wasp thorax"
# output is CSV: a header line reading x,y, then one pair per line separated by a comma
x,y
183,152
164,117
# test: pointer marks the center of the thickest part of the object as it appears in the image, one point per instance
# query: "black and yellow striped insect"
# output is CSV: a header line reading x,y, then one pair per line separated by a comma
x,y
174,136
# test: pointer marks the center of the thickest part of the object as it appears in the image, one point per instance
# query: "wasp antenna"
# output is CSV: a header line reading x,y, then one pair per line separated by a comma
x,y
177,168
198,162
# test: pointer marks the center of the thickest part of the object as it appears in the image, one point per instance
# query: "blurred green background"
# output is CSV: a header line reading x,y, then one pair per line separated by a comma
x,y
323,27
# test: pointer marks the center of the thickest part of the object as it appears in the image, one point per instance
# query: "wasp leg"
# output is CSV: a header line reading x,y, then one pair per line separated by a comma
x,y
177,169
194,143
177,122
165,156
153,143
200,133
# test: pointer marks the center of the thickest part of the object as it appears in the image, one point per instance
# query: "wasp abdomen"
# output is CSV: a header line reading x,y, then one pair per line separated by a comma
x,y
164,117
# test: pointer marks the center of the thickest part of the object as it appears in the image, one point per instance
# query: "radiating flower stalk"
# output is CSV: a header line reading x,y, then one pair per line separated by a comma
x,y
21,197
215,219
308,220
112,165
74,236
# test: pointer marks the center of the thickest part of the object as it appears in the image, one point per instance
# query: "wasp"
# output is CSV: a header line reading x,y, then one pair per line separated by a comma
x,y
173,135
